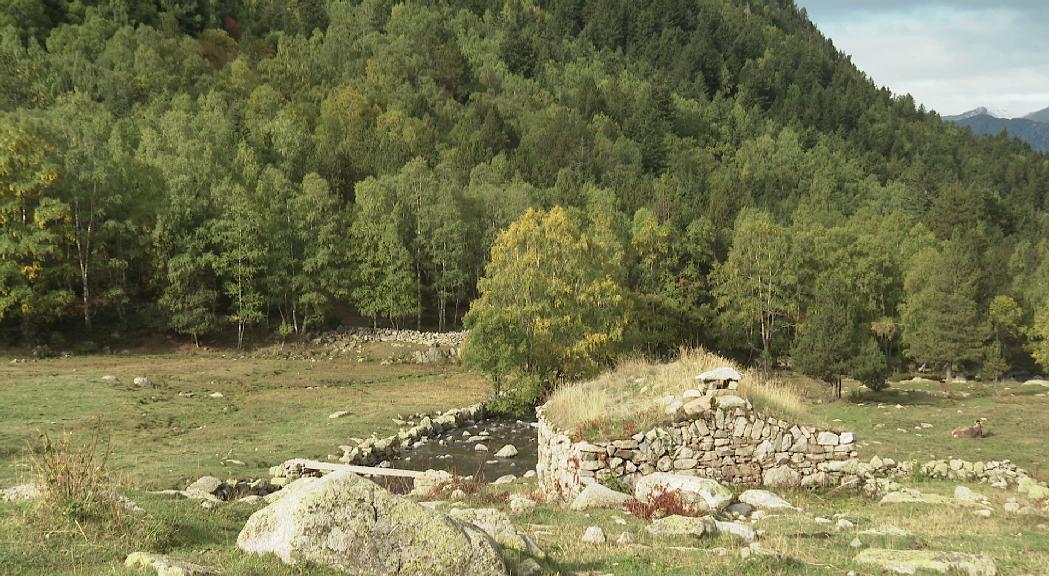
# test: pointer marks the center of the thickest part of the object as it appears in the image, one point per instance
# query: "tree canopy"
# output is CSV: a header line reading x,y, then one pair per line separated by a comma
x,y
240,170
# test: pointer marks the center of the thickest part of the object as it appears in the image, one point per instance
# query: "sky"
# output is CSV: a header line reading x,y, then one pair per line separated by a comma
x,y
952,56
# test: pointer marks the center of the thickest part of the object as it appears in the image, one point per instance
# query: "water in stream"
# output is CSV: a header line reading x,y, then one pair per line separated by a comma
x,y
455,451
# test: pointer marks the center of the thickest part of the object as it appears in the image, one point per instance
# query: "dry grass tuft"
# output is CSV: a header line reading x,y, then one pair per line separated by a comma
x,y
626,400
72,478
77,494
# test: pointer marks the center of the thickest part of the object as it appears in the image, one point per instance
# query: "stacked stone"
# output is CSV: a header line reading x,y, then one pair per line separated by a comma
x,y
720,436
999,474
351,335
373,450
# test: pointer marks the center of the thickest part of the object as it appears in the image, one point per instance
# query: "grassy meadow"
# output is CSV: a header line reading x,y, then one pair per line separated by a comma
x,y
275,406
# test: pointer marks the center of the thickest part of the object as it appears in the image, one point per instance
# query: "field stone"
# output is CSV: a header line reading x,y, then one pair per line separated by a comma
x,y
682,526
205,487
507,479
596,495
350,524
167,565
142,381
429,482
698,495
594,535
521,505
741,531
20,493
765,500
625,539
781,476
915,561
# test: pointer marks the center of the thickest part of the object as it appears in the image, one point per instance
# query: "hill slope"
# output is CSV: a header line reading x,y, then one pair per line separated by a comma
x,y
265,166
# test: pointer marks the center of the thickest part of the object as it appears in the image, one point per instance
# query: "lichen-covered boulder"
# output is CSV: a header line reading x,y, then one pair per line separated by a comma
x,y
497,524
697,495
919,561
350,524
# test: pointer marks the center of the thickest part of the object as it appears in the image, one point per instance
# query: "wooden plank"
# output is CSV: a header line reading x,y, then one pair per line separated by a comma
x,y
362,470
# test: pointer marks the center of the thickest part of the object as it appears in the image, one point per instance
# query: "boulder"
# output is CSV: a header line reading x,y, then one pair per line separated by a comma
x,y
765,500
682,526
697,495
167,565
350,524
508,451
497,524
20,493
781,476
916,561
596,495
142,381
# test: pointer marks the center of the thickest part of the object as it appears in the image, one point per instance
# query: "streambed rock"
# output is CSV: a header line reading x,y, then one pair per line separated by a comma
x,y
352,525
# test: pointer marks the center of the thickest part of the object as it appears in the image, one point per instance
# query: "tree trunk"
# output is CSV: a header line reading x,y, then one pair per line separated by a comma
x,y
948,376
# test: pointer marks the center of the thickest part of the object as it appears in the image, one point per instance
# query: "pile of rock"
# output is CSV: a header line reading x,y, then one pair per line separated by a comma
x,y
212,489
715,434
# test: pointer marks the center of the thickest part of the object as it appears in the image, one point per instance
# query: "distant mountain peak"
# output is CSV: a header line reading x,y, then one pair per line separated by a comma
x,y
981,111
1039,116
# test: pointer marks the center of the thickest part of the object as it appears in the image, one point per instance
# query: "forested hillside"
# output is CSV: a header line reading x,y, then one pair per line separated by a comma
x,y
215,168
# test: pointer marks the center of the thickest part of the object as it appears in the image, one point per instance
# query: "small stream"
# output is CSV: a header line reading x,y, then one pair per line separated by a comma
x,y
455,451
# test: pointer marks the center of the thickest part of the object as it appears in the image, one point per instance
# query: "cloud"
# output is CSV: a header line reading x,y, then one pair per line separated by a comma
x,y
952,57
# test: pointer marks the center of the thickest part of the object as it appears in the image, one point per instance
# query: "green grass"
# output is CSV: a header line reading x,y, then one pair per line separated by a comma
x,y
1017,420
272,408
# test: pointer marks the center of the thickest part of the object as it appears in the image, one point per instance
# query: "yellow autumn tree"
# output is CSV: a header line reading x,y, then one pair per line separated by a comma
x,y
551,301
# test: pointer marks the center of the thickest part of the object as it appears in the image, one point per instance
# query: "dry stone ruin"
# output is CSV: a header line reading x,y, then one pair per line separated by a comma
x,y
714,433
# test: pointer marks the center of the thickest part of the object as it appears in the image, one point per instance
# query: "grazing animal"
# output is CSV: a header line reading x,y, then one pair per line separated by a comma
x,y
974,431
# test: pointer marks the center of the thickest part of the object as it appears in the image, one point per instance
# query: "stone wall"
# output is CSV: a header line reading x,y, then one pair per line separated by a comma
x,y
348,335
727,440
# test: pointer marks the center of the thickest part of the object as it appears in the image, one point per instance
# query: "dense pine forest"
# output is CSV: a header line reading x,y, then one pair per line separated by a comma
x,y
255,170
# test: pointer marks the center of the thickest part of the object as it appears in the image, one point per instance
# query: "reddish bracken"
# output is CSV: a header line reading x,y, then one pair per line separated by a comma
x,y
668,503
